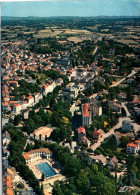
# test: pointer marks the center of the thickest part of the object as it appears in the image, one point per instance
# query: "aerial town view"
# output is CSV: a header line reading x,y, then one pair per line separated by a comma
x,y
70,97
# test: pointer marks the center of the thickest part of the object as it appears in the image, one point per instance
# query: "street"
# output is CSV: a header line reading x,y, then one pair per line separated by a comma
x,y
119,82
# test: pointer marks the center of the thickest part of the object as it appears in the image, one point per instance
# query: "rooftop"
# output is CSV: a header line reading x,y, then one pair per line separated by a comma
x,y
26,155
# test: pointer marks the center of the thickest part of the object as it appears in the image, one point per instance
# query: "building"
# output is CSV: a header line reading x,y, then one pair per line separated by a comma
x,y
122,95
126,125
114,107
17,108
133,147
86,114
85,141
33,155
98,159
30,100
112,163
6,138
64,61
81,133
95,107
8,177
42,133
97,134
48,88
5,107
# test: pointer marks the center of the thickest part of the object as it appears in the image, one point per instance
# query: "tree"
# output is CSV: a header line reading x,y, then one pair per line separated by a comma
x,y
10,120
123,112
125,140
17,120
132,178
82,181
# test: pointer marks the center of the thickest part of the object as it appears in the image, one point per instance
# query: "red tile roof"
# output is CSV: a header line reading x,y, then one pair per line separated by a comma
x,y
137,141
96,132
29,97
85,109
16,105
131,145
81,130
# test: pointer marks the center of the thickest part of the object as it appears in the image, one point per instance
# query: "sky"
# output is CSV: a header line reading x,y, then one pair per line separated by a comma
x,y
71,8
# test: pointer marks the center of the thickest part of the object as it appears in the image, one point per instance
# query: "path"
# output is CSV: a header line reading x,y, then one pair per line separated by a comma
x,y
95,50
119,82
117,126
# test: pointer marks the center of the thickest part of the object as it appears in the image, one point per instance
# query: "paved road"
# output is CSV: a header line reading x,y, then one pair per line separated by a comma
x,y
126,110
95,50
117,126
117,83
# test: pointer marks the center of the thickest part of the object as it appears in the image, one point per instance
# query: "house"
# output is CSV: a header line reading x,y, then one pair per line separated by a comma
x,y
6,138
5,107
97,134
72,146
114,107
81,133
86,114
47,89
112,163
30,100
59,82
26,115
126,125
122,95
133,147
42,133
17,108
98,159
32,155
84,140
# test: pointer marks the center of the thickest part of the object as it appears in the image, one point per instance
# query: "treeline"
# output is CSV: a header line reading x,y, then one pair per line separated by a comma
x,y
85,52
52,46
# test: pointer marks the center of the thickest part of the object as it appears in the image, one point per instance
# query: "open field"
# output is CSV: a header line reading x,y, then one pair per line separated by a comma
x,y
128,41
123,85
77,39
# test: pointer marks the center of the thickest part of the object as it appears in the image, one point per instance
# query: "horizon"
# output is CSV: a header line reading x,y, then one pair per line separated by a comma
x,y
74,8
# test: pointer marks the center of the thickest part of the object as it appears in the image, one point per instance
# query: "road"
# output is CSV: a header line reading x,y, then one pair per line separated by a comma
x,y
125,108
117,126
95,50
119,82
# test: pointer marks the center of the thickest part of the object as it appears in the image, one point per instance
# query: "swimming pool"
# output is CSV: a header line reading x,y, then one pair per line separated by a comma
x,y
46,169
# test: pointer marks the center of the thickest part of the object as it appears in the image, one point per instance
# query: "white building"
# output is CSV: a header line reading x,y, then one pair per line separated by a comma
x,y
33,155
48,88
133,147
30,100
6,138
17,108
